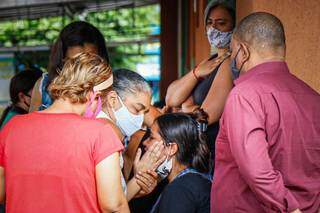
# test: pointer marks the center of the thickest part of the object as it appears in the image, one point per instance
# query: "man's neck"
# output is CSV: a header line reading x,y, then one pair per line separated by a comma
x,y
258,60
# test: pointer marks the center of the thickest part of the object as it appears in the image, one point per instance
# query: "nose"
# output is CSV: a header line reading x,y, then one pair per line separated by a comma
x,y
212,24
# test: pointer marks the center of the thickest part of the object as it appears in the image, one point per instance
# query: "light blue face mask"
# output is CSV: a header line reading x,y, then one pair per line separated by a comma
x,y
127,122
218,39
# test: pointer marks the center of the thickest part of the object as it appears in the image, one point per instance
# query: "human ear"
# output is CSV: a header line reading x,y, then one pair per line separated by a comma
x,y
245,52
21,96
173,149
112,99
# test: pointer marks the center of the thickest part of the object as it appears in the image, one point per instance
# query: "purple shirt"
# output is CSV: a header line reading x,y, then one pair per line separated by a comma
x,y
268,147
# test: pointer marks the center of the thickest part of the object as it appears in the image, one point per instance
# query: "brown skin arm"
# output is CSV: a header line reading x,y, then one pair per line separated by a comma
x,y
217,95
2,186
36,98
130,153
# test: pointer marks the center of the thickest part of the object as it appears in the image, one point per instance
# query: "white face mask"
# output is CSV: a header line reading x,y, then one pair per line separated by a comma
x,y
218,39
165,168
127,122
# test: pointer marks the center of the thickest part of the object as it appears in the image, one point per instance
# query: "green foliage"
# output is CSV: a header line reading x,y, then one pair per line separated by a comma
x,y
125,24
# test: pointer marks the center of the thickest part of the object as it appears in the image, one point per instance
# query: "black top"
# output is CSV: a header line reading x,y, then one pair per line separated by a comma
x,y
188,193
199,94
144,204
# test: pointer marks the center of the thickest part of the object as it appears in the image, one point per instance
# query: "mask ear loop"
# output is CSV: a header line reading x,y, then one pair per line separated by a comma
x,y
88,110
99,107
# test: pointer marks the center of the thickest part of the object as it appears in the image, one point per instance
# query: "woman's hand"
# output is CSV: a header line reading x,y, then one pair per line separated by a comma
x,y
147,181
150,160
207,66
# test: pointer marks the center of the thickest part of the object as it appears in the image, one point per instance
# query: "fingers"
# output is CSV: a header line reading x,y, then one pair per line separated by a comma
x,y
153,174
153,154
147,181
158,162
143,186
156,153
143,181
151,149
138,155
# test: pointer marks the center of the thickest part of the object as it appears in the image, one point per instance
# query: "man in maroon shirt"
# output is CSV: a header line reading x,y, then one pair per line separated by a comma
x,y
268,147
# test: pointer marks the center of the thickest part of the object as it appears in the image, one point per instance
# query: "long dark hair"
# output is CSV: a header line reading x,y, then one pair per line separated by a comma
x,y
187,131
22,82
75,34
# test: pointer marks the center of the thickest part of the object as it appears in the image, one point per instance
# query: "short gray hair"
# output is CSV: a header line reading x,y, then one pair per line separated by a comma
x,y
259,29
127,82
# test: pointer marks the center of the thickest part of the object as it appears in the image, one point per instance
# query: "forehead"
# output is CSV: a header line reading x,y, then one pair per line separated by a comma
x,y
155,129
219,12
143,98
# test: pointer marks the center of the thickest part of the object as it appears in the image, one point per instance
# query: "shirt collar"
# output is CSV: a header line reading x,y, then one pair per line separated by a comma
x,y
273,66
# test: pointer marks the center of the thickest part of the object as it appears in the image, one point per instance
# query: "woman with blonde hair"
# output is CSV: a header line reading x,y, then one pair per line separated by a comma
x,y
68,163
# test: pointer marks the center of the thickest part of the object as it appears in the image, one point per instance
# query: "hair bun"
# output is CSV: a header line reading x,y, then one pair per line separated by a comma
x,y
200,115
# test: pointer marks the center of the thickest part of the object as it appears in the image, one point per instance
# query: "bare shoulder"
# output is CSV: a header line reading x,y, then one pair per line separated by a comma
x,y
224,71
225,66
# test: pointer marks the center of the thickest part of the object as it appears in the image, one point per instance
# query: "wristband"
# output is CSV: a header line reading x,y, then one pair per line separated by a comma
x,y
195,75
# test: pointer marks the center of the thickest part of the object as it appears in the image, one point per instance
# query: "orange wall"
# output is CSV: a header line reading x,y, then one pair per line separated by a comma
x,y
199,48
301,20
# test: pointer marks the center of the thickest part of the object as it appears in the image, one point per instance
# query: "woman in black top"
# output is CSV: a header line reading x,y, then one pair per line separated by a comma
x,y
208,85
186,165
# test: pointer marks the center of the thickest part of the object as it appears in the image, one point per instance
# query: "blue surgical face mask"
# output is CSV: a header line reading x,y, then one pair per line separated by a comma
x,y
235,71
127,122
218,39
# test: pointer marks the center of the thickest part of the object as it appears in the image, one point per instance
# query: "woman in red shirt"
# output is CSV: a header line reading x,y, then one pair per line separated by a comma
x,y
59,160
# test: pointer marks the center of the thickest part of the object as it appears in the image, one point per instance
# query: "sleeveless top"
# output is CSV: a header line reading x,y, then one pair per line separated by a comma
x,y
199,94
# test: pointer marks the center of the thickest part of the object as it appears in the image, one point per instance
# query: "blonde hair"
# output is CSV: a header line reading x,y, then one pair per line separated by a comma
x,y
78,77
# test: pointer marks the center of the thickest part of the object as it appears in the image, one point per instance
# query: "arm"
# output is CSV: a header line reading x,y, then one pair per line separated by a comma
x,y
149,161
110,195
143,183
180,90
218,93
130,152
189,106
2,186
36,98
244,122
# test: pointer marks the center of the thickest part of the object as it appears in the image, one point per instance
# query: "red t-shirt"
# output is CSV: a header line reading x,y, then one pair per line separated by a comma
x,y
49,161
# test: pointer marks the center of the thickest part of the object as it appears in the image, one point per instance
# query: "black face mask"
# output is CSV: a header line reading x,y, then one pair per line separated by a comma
x,y
235,71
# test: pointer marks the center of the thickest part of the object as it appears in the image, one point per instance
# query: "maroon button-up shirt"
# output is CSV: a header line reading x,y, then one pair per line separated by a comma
x,y
268,147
